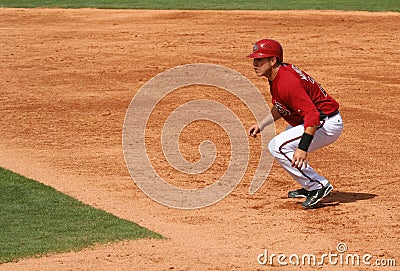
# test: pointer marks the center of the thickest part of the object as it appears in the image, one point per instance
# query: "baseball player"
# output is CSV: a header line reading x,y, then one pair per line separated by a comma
x,y
313,117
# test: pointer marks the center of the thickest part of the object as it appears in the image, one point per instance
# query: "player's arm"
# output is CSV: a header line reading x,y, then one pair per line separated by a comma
x,y
310,130
268,120
300,155
301,102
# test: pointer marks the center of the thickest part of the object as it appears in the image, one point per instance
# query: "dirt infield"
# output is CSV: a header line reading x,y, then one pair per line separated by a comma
x,y
67,78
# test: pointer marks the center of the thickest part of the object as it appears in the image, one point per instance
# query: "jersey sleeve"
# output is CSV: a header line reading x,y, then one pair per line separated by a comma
x,y
301,103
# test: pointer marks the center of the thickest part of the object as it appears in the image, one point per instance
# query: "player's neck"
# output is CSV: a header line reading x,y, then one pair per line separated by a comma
x,y
274,72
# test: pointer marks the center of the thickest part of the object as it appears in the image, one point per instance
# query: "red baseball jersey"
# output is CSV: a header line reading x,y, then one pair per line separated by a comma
x,y
299,98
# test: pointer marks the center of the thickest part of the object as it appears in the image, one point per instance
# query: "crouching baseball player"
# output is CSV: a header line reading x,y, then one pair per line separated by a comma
x,y
313,117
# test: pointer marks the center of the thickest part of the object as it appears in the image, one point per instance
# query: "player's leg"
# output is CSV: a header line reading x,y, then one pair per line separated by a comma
x,y
329,131
283,146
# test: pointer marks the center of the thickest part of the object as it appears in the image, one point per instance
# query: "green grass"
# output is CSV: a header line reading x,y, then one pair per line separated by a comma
x,y
36,219
366,5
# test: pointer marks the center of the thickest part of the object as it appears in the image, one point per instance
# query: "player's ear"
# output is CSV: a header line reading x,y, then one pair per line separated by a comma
x,y
274,61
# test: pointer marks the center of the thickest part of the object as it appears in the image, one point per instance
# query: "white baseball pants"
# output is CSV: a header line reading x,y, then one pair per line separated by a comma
x,y
283,146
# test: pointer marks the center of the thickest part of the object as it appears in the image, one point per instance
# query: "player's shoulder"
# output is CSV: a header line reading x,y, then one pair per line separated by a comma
x,y
292,71
288,79
287,71
289,67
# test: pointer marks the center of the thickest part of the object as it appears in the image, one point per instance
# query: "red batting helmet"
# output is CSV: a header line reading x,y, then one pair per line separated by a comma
x,y
267,48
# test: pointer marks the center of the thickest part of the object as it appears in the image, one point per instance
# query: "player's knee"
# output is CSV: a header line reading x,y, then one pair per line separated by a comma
x,y
273,148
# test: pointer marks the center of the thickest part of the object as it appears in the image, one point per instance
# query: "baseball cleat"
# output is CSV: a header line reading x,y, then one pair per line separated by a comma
x,y
299,193
316,195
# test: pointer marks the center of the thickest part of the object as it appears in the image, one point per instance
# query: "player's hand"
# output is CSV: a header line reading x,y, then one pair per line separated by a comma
x,y
299,159
253,130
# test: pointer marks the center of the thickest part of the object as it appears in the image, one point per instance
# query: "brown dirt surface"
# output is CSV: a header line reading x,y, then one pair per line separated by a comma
x,y
68,76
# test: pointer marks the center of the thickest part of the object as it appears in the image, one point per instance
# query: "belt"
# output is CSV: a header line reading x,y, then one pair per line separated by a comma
x,y
324,116
334,113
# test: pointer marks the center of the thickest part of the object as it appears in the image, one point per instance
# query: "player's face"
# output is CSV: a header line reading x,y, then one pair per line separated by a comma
x,y
263,66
